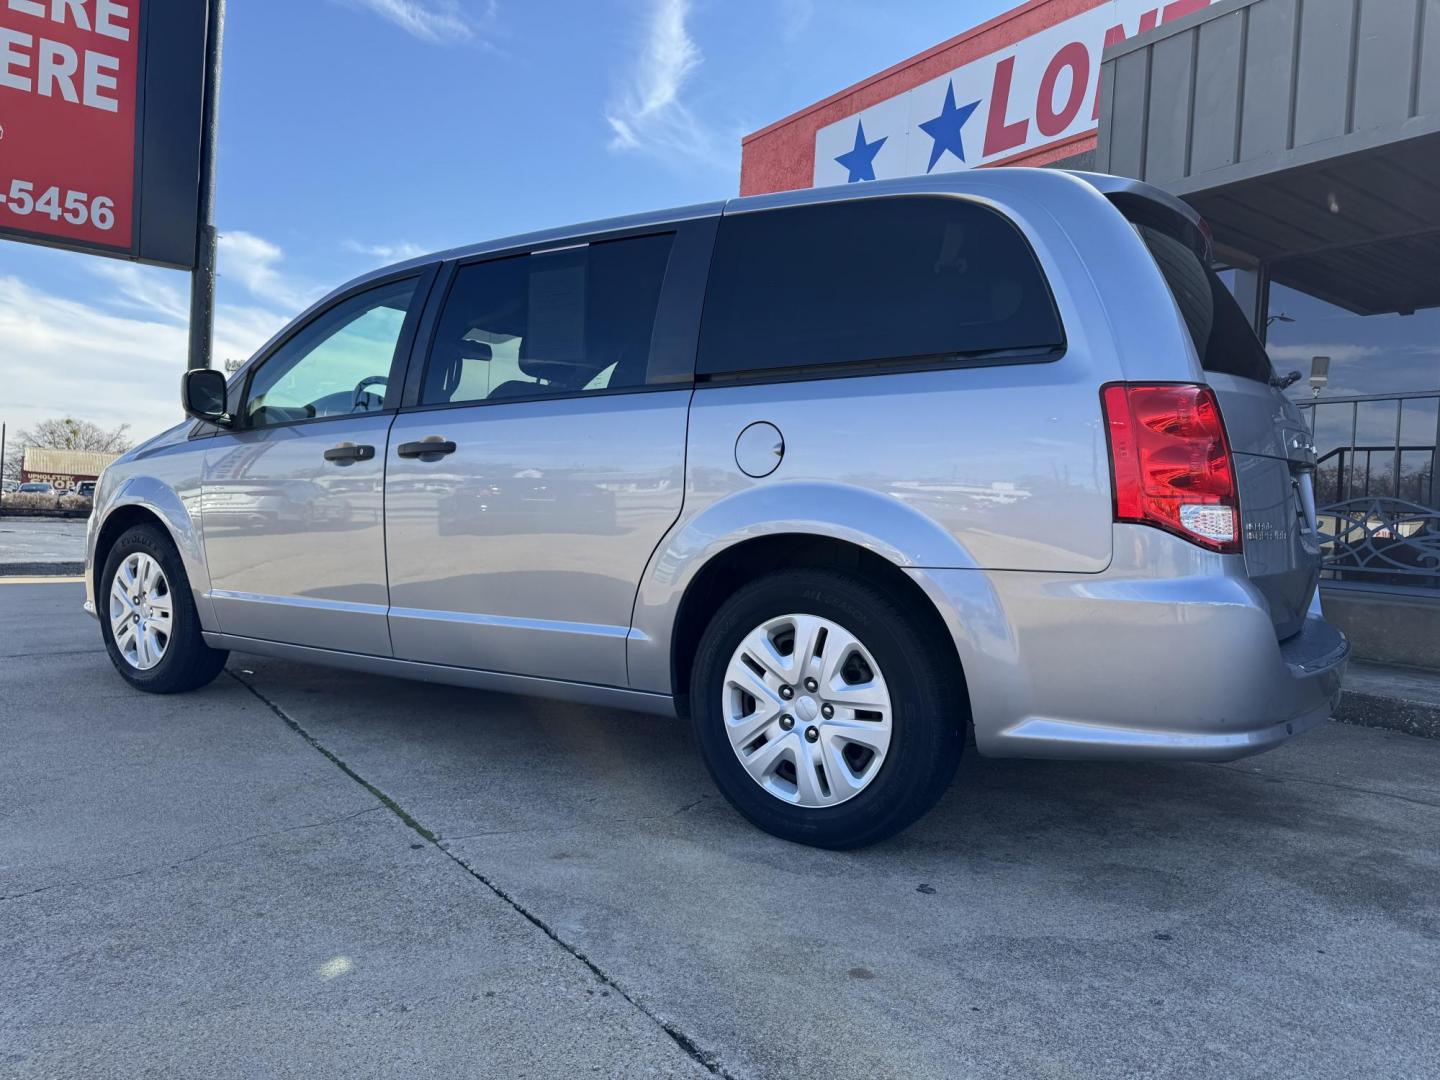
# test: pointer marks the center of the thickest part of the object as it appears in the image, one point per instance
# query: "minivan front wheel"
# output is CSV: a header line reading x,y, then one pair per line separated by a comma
x,y
148,618
824,711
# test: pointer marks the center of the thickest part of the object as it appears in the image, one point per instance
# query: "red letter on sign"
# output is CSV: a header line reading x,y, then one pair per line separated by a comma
x,y
999,135
1180,8
1077,58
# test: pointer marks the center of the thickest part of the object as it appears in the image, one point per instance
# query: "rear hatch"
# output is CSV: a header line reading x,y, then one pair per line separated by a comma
x,y
1273,450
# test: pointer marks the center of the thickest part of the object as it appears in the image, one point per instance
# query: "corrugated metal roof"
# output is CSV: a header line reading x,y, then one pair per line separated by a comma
x,y
45,459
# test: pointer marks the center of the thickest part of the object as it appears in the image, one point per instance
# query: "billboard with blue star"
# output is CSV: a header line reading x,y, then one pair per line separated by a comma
x,y
1042,90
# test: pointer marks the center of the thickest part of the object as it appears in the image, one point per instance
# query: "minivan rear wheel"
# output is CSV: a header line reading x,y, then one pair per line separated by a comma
x,y
826,712
148,618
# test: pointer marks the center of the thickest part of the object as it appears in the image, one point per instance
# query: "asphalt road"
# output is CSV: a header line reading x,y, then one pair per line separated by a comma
x,y
307,873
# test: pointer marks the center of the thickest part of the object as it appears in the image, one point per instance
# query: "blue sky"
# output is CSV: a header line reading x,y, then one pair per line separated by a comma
x,y
357,132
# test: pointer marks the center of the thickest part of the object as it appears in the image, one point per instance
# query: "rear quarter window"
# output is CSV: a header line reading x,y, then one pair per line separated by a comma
x,y
1223,337
872,279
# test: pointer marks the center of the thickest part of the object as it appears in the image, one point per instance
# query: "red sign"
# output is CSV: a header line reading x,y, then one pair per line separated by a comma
x,y
69,73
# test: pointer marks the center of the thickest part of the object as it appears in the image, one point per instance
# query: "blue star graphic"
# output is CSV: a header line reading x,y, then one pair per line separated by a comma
x,y
861,160
945,128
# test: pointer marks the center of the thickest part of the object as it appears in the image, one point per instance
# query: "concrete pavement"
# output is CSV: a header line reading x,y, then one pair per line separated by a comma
x,y
299,871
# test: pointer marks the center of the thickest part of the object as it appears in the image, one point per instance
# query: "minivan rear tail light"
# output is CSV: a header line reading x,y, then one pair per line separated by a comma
x,y
1170,462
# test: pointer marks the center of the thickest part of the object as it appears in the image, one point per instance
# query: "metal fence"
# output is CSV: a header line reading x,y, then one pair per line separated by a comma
x,y
1377,487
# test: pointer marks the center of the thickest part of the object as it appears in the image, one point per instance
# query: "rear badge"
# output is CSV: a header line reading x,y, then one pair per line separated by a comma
x,y
1263,530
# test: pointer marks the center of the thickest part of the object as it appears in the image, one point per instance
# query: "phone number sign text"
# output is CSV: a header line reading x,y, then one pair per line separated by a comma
x,y
69,72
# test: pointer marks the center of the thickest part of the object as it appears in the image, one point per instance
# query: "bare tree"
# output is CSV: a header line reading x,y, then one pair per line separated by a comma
x,y
66,433
71,434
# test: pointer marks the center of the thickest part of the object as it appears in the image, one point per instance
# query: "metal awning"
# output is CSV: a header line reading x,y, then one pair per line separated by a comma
x,y
1308,134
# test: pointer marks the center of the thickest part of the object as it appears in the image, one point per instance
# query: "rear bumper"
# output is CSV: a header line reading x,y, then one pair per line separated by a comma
x,y
1304,694
1158,663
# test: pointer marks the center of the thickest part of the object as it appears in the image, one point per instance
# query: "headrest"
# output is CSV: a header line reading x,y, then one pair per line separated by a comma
x,y
556,372
454,368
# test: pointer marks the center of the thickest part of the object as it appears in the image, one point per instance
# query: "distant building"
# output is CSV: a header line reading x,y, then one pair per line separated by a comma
x,y
63,468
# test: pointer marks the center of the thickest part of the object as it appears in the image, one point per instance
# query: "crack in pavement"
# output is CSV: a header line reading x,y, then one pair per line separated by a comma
x,y
1291,778
696,1053
51,652
573,825
191,858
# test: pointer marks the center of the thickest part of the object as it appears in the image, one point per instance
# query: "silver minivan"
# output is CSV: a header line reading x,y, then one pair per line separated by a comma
x,y
853,478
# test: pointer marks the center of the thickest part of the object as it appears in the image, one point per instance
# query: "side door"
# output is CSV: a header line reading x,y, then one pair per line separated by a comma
x,y
292,500
541,454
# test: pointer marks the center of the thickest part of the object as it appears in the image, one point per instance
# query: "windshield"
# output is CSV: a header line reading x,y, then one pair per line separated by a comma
x,y
1222,335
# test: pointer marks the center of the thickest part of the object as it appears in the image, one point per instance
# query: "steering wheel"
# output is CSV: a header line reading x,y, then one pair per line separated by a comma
x,y
361,393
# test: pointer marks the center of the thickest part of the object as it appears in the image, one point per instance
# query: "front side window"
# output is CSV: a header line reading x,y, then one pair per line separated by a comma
x,y
872,279
573,321
338,364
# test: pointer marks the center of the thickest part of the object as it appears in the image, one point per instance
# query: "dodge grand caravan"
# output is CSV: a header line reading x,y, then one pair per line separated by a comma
x,y
850,477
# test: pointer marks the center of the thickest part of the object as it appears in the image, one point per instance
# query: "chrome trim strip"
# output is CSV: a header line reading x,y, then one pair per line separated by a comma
x,y
1041,736
509,622
300,602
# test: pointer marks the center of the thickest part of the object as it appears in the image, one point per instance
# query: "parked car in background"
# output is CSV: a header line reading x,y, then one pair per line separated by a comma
x,y
79,497
990,454
35,495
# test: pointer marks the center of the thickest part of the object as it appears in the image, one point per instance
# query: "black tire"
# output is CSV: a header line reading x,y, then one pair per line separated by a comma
x,y
928,707
188,663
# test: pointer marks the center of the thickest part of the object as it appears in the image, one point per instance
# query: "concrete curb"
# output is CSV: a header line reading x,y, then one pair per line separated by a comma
x,y
1394,713
42,513
41,569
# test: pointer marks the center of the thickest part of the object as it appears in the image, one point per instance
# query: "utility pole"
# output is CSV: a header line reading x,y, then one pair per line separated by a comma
x,y
202,278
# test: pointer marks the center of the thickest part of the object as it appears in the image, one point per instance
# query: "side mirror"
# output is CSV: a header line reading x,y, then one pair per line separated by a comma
x,y
202,395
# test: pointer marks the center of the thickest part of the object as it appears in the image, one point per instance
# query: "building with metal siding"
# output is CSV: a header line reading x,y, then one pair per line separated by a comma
x,y
63,468
1307,134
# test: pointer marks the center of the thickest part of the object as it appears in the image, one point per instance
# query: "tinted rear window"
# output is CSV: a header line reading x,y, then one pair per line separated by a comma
x,y
1222,335
872,279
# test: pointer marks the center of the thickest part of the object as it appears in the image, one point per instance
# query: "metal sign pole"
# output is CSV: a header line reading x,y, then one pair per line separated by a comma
x,y
202,278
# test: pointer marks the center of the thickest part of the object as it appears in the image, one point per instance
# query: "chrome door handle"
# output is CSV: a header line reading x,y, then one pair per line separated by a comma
x,y
348,452
430,448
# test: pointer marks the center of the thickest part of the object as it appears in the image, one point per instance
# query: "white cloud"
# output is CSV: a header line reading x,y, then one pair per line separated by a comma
x,y
795,16
66,356
1339,352
116,355
143,288
1357,369
239,331
245,261
649,114
431,20
387,252
253,262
